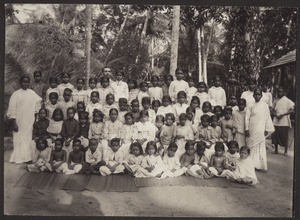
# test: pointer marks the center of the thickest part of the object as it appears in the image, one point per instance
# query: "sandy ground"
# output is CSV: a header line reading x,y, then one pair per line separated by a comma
x,y
272,197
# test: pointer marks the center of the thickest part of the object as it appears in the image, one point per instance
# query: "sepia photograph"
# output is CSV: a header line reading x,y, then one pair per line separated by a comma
x,y
143,110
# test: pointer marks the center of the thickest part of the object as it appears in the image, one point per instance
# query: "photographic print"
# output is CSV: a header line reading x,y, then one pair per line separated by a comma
x,y
149,110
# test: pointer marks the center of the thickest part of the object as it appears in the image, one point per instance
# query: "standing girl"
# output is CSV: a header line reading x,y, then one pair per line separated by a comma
x,y
120,88
143,92
133,90
238,118
216,94
166,106
195,103
55,124
155,91
97,126
145,129
79,94
178,85
65,77
53,81
202,93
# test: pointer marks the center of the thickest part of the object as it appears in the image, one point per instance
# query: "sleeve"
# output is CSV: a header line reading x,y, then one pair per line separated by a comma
x,y
105,130
126,90
171,90
12,106
224,97
247,118
76,131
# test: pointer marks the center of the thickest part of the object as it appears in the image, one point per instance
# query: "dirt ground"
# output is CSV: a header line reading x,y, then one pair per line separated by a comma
x,y
272,197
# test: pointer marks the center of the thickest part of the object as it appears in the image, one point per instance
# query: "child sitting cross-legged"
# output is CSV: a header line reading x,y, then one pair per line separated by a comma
x,y
201,161
244,171
218,166
40,157
152,163
172,165
134,159
113,158
58,156
187,160
232,154
93,158
76,158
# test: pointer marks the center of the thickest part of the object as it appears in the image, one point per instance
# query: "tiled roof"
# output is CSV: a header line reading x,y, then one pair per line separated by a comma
x,y
288,58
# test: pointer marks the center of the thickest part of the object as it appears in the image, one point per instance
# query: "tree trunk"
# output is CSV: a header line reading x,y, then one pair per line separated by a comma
x,y
199,54
152,52
118,36
175,38
88,41
204,55
144,31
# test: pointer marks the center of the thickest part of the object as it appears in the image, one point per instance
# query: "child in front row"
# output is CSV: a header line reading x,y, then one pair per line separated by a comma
x,y
152,163
93,158
218,166
113,158
40,157
58,156
201,161
244,171
188,158
76,158
134,159
171,163
232,154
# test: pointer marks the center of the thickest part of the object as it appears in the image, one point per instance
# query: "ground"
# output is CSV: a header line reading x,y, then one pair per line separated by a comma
x,y
272,197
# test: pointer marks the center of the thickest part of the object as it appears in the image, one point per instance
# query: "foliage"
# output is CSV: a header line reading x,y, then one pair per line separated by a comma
x,y
255,36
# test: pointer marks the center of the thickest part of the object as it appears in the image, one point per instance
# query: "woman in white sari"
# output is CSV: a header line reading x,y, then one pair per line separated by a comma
x,y
258,124
23,105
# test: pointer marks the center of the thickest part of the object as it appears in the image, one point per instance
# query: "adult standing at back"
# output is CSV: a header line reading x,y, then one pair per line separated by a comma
x,y
23,105
248,95
258,124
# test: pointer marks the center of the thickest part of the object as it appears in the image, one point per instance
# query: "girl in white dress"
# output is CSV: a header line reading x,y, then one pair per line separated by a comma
x,y
134,159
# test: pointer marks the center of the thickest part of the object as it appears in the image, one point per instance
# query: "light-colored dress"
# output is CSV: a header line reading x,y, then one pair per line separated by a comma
x,y
61,88
172,167
155,93
162,110
177,86
103,92
120,90
239,122
244,173
187,132
217,96
23,104
258,120
146,130
153,160
79,96
134,162
112,158
203,96
179,109
248,96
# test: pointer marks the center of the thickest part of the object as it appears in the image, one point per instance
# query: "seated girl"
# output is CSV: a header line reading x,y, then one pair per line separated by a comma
x,y
244,171
218,166
134,159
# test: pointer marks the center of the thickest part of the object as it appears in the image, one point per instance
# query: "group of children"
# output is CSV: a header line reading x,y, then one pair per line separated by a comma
x,y
114,127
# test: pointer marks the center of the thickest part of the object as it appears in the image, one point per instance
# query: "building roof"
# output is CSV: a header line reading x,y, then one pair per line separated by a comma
x,y
288,58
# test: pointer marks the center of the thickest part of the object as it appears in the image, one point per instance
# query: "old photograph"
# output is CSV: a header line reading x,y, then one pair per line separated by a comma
x,y
149,110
